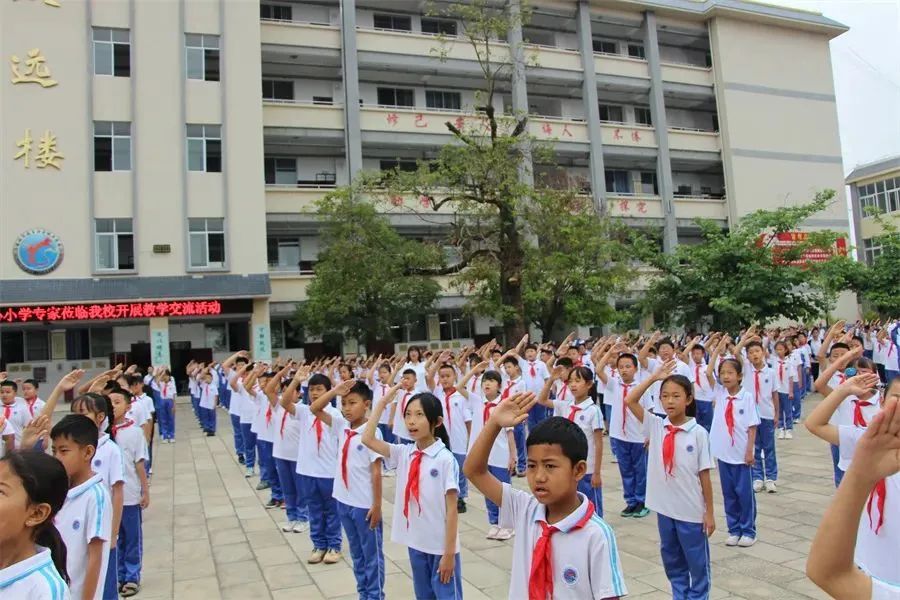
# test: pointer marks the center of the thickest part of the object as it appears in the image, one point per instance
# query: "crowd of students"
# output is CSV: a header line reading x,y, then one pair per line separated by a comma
x,y
323,436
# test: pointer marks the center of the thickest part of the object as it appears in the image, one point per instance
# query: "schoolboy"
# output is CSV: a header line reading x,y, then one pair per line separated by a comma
x,y
562,549
85,520
30,394
760,382
458,421
514,384
534,374
408,383
13,409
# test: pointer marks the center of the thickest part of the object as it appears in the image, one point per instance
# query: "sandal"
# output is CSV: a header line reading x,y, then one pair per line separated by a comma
x,y
130,589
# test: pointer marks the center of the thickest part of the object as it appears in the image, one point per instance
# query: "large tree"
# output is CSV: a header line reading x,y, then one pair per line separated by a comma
x,y
743,275
879,283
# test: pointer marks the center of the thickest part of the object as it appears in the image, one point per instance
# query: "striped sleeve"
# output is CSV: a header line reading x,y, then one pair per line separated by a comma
x,y
609,581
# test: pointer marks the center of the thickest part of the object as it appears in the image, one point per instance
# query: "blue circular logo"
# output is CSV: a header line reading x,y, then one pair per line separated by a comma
x,y
76,525
434,472
37,251
98,462
741,411
570,575
359,447
689,448
581,417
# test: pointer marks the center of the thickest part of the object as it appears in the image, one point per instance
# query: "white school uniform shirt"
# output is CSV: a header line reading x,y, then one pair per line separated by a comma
x,y
34,578
879,352
679,495
499,456
264,425
589,418
632,430
564,396
7,430
534,383
248,403
456,422
781,370
166,389
884,591
147,403
136,412
208,394
702,390
422,383
511,387
236,401
34,408
767,386
681,368
316,456
438,474
745,416
585,561
876,554
379,391
17,416
474,388
402,398
357,492
287,434
108,462
130,439
843,417
193,385
85,515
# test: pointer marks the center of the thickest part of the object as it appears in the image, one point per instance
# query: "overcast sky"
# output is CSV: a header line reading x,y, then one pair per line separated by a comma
x,y
866,63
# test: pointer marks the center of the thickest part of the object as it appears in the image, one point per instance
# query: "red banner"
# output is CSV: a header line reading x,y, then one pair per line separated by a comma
x,y
94,312
782,242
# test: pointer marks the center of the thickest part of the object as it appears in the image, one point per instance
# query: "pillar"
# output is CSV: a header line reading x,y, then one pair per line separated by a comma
x,y
519,86
350,64
591,103
159,341
260,333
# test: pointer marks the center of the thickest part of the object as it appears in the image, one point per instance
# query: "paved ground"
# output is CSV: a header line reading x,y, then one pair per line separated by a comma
x,y
207,535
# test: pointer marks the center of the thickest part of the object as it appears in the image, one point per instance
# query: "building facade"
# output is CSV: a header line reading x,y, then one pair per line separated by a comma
x,y
161,160
874,188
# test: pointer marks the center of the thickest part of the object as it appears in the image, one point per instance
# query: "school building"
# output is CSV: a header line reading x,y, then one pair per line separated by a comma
x,y
161,160
874,189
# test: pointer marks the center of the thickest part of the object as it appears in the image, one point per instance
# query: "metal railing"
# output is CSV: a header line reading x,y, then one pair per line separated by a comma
x,y
293,22
300,102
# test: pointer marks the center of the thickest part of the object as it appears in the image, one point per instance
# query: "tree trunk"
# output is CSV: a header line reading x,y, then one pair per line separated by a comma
x,y
511,262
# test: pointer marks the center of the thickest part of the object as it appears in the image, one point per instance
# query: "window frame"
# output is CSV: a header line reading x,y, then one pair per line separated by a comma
x,y
443,94
643,109
276,242
439,23
113,45
394,90
275,83
641,54
208,43
598,42
206,234
603,105
393,17
611,174
118,233
115,139
275,8
213,134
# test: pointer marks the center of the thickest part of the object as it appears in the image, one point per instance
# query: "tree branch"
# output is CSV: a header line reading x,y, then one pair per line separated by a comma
x,y
451,269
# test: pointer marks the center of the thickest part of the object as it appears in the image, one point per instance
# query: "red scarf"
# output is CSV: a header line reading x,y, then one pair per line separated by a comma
x,y
756,375
533,370
625,388
486,413
474,383
447,395
562,392
317,424
781,370
125,423
403,405
7,410
668,449
858,419
697,375
505,393
31,404
350,433
412,484
540,581
878,496
729,417
165,389
573,410
283,421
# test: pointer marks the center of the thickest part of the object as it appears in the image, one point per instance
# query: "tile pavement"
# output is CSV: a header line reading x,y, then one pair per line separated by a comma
x,y
207,535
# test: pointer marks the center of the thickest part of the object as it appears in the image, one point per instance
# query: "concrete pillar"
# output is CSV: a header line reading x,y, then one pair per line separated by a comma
x,y
519,87
159,341
260,333
660,124
591,111
856,226
350,64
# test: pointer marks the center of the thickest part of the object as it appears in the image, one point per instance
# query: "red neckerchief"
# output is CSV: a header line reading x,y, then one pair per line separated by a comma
x,y
756,374
317,424
31,404
403,405
625,388
668,449
283,421
562,392
533,370
7,410
697,375
540,580
486,412
505,394
729,417
412,484
125,423
573,410
349,433
447,394
474,382
780,370
879,497
858,419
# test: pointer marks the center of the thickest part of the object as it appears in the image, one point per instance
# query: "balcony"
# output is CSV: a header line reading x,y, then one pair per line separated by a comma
x,y
307,115
621,66
551,57
694,140
689,74
422,44
649,206
627,134
282,198
289,33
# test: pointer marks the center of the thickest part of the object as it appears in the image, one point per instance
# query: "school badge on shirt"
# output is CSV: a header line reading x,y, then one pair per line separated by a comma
x,y
570,575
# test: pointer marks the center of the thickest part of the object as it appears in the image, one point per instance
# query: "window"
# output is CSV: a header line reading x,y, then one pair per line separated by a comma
x,y
455,326
636,51
283,252
617,181
648,183
642,116
715,122
407,166
112,52
114,239
442,100
207,242
276,12
286,334
684,190
611,114
275,89
112,146
395,97
204,148
37,344
605,47
280,171
217,337
871,250
439,26
323,100
202,56
101,342
393,22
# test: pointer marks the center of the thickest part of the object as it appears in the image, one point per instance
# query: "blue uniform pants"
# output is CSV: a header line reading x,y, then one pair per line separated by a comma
x,y
290,490
130,545
685,555
739,500
493,511
249,439
785,411
593,494
463,482
238,436
167,418
195,403
537,414
111,582
365,551
890,374
208,419
426,581
632,459
387,433
267,470
324,525
798,401
607,415
766,466
704,414
835,458
521,456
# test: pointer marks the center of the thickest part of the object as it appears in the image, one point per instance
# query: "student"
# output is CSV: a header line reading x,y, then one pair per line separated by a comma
x,y
379,390
878,532
408,386
514,385
585,412
165,386
239,360
30,395
760,383
832,376
357,483
34,487
458,422
207,401
702,393
136,494
246,400
415,364
665,349
845,534
732,441
425,518
263,427
7,437
316,464
781,369
85,520
534,374
679,488
192,371
13,409
562,548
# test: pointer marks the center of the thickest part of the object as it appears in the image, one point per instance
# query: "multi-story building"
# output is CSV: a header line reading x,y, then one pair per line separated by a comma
x,y
136,138
874,189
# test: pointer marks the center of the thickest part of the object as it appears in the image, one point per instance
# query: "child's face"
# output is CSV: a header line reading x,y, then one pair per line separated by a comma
x,y
119,404
490,388
573,353
698,355
409,382
346,373
315,391
136,390
7,394
626,369
530,354
447,378
76,459
16,508
666,352
29,392
384,374
781,350
756,355
416,422
512,370
354,408
580,387
674,399
728,375
551,475
854,344
837,353
414,355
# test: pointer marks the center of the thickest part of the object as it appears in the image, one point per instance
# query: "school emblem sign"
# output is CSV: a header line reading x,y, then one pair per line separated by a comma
x,y
38,251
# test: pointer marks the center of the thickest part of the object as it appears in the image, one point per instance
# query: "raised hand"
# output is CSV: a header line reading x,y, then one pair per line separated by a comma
x,y
860,385
664,370
877,454
70,380
513,410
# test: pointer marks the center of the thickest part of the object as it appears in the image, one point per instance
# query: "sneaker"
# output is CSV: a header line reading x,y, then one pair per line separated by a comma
x,y
301,527
332,556
240,460
758,485
628,511
788,435
614,460
271,504
780,433
770,486
492,532
315,557
249,472
210,434
640,511
732,540
289,526
746,542
461,506
262,485
504,534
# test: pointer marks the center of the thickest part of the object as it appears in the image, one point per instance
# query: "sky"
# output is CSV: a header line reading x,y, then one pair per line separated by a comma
x,y
866,64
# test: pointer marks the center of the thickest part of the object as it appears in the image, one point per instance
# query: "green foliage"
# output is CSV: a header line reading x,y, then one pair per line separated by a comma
x,y
735,278
367,277
879,284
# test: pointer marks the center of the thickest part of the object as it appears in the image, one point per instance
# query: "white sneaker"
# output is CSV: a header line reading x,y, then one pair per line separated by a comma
x,y
493,532
746,542
732,540
301,527
614,459
289,526
788,435
504,534
780,433
249,472
758,485
770,486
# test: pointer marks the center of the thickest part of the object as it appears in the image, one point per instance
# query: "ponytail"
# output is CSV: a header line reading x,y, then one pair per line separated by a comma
x,y
440,432
47,535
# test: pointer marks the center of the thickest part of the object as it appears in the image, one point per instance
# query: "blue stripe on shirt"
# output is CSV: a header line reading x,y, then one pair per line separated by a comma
x,y
618,586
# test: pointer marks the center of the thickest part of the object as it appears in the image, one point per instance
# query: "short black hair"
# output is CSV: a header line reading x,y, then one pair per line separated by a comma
x,y
32,382
362,390
628,356
10,383
78,428
409,372
241,360
665,342
510,360
559,430
753,344
565,362
838,346
319,379
122,392
447,365
531,347
492,376
112,386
